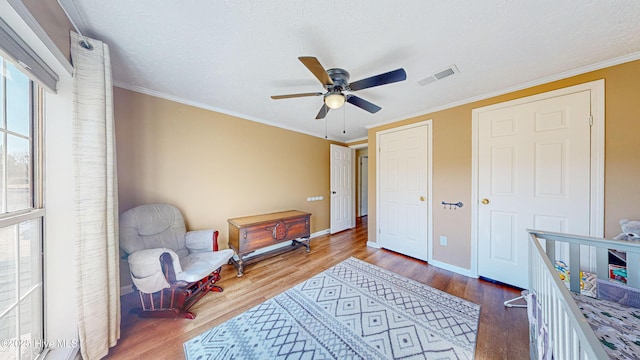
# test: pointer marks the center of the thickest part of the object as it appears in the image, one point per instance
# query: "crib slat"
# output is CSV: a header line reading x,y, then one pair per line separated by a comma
x,y
564,326
602,263
550,249
575,344
574,267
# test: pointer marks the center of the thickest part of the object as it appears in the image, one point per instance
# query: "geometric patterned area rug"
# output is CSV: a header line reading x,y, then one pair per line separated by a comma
x,y
353,310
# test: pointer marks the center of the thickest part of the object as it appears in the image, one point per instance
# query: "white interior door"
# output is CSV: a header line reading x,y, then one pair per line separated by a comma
x,y
342,193
403,164
364,185
533,172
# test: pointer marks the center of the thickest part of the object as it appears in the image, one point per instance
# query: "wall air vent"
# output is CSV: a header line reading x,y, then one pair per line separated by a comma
x,y
439,75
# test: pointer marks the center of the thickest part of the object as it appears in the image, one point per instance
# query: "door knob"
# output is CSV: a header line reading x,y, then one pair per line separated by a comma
x,y
422,198
485,201
333,192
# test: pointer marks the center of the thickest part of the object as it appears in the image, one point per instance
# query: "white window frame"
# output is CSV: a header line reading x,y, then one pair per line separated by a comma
x,y
36,212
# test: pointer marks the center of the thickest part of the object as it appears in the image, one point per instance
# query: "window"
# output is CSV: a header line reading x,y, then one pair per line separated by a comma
x,y
21,216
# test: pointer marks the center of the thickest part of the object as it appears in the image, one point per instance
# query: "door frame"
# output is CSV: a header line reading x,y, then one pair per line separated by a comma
x,y
352,192
429,188
361,184
596,226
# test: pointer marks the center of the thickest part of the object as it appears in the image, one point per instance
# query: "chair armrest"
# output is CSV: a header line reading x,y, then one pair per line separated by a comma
x,y
201,241
148,271
169,270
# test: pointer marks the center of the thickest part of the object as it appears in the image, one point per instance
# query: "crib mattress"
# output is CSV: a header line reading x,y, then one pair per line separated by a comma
x,y
617,326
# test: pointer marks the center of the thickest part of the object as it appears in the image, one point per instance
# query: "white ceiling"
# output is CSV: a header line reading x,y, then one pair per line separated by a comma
x,y
231,56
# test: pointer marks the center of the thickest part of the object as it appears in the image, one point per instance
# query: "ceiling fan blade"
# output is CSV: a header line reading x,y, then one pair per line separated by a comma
x,y
363,104
276,97
316,68
323,112
382,79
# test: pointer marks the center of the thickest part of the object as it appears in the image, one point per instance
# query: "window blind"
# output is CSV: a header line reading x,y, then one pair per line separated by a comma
x,y
18,51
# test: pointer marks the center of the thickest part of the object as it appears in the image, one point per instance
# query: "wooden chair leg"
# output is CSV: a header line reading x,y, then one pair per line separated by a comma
x,y
189,315
215,288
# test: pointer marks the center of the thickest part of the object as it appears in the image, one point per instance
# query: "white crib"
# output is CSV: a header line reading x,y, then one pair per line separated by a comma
x,y
568,332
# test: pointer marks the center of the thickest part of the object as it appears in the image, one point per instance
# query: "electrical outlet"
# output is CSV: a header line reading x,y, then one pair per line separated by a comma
x,y
443,240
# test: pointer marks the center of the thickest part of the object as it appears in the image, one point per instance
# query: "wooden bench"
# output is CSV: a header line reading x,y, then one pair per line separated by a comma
x,y
250,233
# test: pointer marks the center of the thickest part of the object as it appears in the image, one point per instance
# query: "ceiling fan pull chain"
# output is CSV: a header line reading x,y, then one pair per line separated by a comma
x,y
344,119
325,128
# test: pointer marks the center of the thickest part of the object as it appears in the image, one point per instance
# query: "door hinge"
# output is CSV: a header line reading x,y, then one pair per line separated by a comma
x,y
590,120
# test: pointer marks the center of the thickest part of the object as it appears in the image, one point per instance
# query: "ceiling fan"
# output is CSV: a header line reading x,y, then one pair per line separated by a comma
x,y
336,82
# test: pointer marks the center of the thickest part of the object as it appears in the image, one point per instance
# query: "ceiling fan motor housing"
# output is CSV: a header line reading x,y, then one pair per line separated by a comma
x,y
340,79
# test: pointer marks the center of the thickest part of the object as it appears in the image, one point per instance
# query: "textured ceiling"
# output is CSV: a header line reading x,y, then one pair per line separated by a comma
x,y
231,56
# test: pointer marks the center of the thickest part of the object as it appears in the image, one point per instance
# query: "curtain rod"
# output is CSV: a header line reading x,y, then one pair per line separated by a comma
x,y
84,42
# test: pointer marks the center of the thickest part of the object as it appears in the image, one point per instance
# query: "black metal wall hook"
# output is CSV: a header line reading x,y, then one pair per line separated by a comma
x,y
454,206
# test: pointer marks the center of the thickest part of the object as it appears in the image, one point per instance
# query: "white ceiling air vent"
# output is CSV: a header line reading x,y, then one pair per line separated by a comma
x,y
439,75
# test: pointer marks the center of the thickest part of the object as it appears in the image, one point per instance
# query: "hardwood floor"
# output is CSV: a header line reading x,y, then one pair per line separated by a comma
x,y
502,334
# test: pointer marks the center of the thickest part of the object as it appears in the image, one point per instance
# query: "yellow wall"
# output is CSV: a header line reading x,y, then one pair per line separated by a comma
x,y
214,166
452,159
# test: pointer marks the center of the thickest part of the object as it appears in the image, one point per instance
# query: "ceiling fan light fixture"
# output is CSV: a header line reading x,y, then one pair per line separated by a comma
x,y
334,100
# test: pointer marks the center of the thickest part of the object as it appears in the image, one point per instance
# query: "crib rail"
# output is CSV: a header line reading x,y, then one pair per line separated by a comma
x,y
569,333
602,247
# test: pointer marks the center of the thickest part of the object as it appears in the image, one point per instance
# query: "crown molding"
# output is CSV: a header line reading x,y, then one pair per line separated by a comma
x,y
563,75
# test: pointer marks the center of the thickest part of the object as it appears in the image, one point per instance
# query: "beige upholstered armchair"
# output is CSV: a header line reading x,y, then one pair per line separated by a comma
x,y
171,268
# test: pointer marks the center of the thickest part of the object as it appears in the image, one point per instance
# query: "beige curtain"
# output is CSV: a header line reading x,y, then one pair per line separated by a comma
x,y
96,200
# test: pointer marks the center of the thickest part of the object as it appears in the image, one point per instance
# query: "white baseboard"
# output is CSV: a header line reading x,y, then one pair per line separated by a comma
x,y
127,289
373,245
63,353
320,233
455,269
